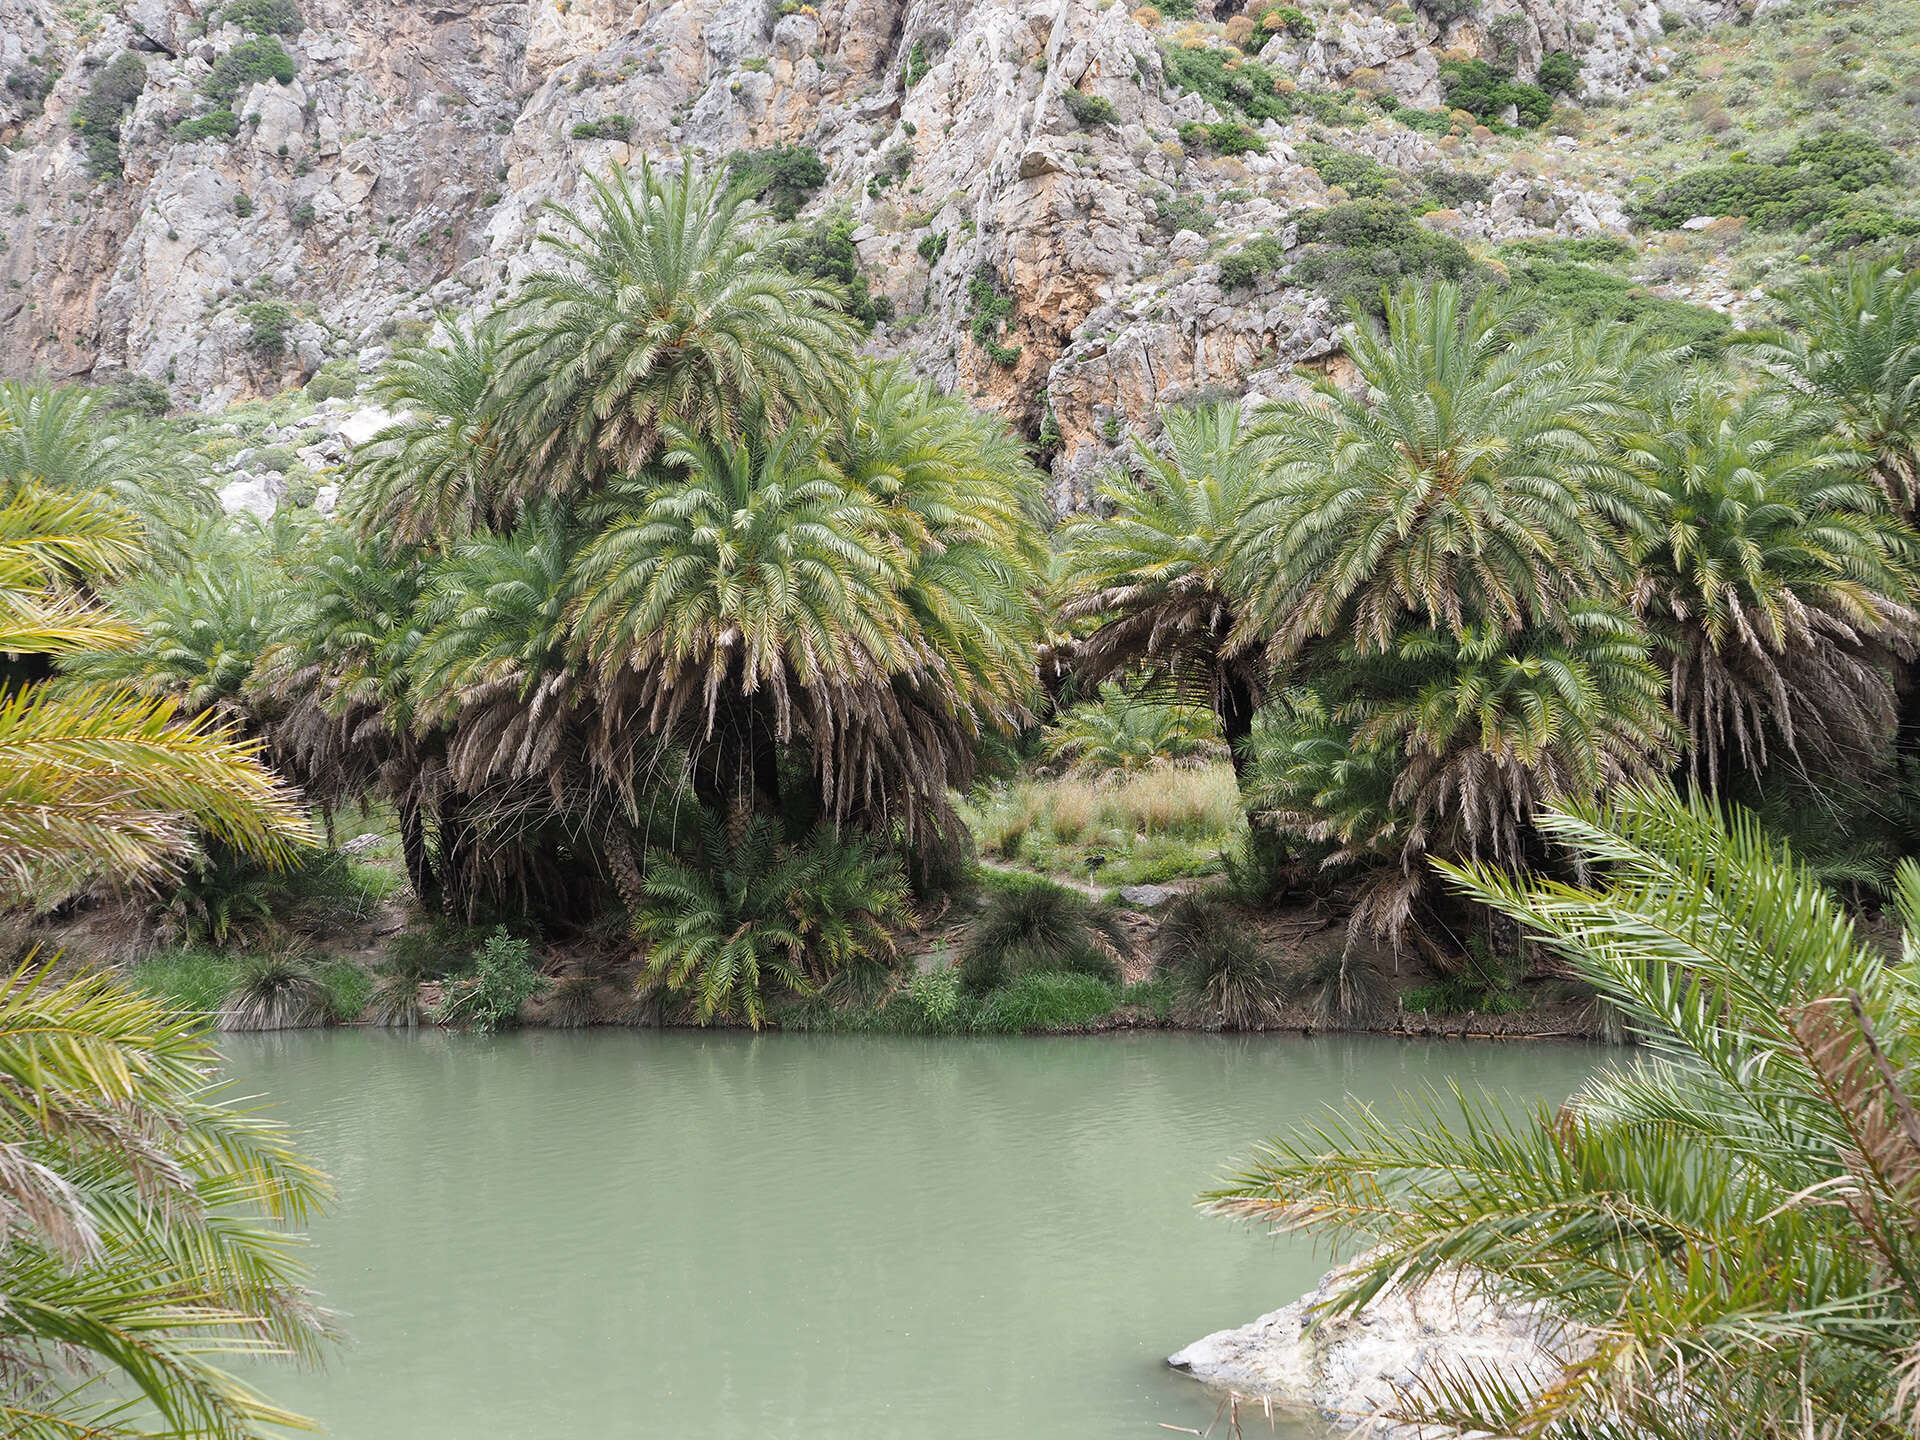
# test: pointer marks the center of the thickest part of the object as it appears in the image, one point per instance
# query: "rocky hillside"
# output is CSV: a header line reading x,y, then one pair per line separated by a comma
x,y
1069,211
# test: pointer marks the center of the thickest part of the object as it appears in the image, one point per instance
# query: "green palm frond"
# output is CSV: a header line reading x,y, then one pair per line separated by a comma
x,y
96,781
146,1243
1727,1221
1149,576
1463,483
668,308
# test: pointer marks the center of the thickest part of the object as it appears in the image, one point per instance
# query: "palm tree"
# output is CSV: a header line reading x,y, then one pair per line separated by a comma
x,y
199,632
1447,744
1149,573
668,308
1852,339
434,474
1775,581
750,588
55,439
1465,484
145,1242
1121,732
956,486
1729,1222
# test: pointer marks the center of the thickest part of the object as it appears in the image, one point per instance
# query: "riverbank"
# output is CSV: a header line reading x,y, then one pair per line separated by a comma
x,y
595,981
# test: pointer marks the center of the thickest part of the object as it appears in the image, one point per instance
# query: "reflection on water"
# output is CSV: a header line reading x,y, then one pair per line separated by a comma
x,y
549,1236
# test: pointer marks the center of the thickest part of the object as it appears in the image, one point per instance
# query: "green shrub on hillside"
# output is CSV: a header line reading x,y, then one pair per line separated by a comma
x,y
1361,176
268,324
1485,93
1559,72
1223,138
98,118
261,17
1361,247
219,124
1249,88
1174,213
1806,186
1090,110
247,64
826,252
607,127
1255,259
784,176
1582,296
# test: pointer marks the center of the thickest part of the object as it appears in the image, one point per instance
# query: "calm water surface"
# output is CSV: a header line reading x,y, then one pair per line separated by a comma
x,y
561,1237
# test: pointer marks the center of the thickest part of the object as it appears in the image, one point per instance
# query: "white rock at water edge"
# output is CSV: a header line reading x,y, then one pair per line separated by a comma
x,y
1346,1367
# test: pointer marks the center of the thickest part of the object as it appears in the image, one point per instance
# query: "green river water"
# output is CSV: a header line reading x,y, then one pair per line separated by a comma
x,y
546,1236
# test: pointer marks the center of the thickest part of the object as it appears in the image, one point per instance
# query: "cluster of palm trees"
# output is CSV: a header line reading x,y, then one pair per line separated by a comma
x,y
650,559
1508,565
652,535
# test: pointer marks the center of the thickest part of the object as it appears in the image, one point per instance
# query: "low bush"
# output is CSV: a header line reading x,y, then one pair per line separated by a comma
x,y
785,176
1484,93
103,110
1253,261
1089,111
1454,187
1559,72
1174,213
219,124
503,979
607,127
1222,138
1486,985
1809,184
268,324
336,380
275,991
1364,247
261,17
1582,296
1341,988
1233,85
826,252
1212,954
1361,176
574,1003
1032,925
247,64
988,309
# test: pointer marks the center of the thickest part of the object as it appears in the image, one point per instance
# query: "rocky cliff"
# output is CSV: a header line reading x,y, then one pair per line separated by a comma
x,y
271,214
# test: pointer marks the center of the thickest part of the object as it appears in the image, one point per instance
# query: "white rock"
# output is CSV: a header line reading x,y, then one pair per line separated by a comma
x,y
250,493
364,424
1346,1367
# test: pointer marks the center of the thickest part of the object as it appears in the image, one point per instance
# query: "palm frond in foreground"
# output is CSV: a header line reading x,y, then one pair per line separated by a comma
x,y
1731,1221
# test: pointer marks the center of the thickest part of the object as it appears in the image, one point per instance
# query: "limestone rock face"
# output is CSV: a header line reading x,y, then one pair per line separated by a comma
x,y
1346,1368
401,174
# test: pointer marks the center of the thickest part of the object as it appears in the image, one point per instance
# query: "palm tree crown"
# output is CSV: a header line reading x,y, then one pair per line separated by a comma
x,y
668,308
